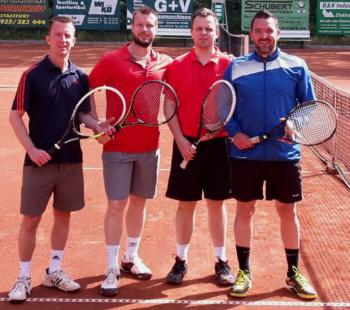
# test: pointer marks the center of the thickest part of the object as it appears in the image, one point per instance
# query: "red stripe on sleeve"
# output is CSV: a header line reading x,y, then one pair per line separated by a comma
x,y
21,90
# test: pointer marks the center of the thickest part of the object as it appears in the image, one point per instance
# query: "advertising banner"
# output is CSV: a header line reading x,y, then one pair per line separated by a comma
x,y
90,14
24,13
333,17
218,7
174,17
293,15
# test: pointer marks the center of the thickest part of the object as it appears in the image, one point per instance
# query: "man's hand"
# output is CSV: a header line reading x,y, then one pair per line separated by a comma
x,y
108,130
186,149
39,157
241,141
289,133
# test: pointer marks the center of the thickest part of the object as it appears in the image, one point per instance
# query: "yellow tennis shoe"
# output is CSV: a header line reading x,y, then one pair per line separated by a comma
x,y
242,284
300,285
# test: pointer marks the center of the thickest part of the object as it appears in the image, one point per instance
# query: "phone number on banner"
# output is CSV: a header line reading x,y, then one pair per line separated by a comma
x,y
14,21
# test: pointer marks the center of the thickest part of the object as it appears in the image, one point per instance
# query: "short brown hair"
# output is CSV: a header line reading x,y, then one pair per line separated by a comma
x,y
60,19
204,12
145,10
264,14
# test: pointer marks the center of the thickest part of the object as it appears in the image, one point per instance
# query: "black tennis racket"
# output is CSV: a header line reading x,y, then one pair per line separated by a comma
x,y
217,109
96,98
153,103
309,123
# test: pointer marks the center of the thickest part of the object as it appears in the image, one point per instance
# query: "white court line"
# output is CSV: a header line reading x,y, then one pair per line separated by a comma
x,y
100,168
29,61
188,302
11,87
304,173
84,168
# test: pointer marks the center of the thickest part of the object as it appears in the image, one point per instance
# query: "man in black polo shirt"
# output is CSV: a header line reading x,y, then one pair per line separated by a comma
x,y
48,92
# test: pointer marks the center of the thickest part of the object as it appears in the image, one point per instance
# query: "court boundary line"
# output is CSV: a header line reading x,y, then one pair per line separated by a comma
x,y
87,168
186,302
8,87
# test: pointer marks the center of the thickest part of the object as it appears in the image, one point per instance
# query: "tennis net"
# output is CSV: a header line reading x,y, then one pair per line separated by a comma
x,y
335,152
235,44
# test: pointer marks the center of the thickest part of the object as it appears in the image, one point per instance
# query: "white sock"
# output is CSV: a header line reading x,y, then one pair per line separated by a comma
x,y
132,247
182,251
24,269
220,252
112,252
56,260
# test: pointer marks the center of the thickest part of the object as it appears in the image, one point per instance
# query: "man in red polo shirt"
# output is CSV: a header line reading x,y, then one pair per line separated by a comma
x,y
131,159
208,171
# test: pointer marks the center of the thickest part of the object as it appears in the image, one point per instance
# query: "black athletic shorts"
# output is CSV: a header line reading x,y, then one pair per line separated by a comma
x,y
282,180
208,172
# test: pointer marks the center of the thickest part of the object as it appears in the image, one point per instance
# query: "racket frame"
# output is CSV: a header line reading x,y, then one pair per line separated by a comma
x,y
284,121
81,101
232,109
199,139
122,123
72,126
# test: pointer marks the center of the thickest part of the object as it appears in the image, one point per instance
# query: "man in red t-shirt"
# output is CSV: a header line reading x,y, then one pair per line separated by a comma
x,y
208,171
131,159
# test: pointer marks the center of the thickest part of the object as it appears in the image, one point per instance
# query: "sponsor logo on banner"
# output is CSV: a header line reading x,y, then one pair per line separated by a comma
x,y
103,7
163,6
78,20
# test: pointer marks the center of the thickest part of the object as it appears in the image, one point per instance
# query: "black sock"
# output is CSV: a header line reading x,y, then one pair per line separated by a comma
x,y
292,260
243,257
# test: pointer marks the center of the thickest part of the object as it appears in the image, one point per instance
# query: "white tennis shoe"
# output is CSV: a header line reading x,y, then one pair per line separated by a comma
x,y
60,280
21,290
110,284
135,266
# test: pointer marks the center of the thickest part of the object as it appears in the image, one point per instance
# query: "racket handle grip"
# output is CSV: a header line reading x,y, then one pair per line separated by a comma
x,y
258,139
54,149
185,162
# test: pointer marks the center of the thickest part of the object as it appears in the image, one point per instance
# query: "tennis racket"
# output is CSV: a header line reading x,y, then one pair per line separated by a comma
x,y
309,123
217,108
152,104
77,130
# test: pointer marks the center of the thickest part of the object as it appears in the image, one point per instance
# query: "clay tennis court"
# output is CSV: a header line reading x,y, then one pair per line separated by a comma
x,y
323,213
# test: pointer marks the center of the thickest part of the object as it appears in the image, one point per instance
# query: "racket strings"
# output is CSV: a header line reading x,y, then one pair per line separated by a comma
x,y
154,103
218,107
77,125
95,103
98,105
313,123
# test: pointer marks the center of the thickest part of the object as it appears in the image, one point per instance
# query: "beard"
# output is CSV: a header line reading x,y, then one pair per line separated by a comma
x,y
142,43
267,49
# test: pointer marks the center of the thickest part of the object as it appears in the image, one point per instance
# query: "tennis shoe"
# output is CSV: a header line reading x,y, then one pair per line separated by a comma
x,y
21,290
110,284
300,285
242,284
177,272
134,265
60,280
223,273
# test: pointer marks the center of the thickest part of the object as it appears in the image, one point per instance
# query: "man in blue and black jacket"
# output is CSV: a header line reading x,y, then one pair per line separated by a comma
x,y
269,84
